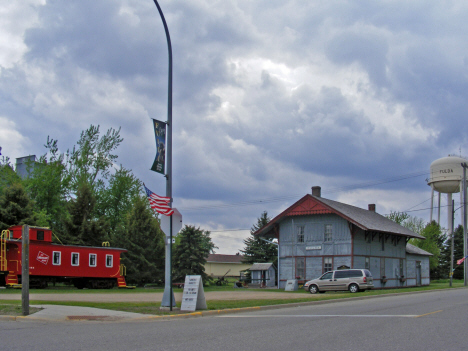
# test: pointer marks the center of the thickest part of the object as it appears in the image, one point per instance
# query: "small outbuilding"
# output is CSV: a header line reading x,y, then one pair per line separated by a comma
x,y
263,274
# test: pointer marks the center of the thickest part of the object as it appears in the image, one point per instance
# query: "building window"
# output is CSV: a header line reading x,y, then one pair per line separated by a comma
x,y
40,235
300,233
300,267
401,268
75,259
383,242
327,264
109,260
92,260
367,263
328,233
56,258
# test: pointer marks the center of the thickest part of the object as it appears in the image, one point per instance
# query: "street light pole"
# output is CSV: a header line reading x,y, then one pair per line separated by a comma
x,y
168,293
465,248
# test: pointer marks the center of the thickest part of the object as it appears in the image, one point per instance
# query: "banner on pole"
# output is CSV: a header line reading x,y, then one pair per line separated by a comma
x,y
160,135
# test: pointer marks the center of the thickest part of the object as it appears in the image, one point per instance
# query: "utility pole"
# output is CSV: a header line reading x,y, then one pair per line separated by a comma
x,y
451,250
25,270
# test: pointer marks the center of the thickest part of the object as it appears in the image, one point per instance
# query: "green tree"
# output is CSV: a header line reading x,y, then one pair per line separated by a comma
x,y
8,176
398,217
257,250
48,185
117,199
81,227
433,244
415,224
142,237
457,254
16,208
190,253
92,161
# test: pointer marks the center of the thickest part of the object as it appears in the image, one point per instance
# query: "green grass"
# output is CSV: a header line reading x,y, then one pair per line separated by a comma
x,y
9,307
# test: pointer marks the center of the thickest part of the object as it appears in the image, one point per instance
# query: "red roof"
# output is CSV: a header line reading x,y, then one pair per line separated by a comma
x,y
225,258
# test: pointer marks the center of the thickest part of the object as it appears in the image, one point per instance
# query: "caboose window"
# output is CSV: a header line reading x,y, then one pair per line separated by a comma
x,y
109,260
56,255
75,259
92,260
40,235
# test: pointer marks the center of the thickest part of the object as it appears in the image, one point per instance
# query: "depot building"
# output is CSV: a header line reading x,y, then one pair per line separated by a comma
x,y
317,235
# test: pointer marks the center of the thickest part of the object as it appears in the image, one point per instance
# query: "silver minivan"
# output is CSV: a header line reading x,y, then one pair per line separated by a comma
x,y
354,280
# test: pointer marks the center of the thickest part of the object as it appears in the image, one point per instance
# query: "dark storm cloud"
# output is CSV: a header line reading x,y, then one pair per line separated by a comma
x,y
270,97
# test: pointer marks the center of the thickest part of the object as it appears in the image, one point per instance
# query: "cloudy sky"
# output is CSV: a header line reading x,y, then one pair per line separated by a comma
x,y
270,97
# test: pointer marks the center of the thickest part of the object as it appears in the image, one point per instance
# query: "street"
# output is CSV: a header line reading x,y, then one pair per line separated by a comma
x,y
424,321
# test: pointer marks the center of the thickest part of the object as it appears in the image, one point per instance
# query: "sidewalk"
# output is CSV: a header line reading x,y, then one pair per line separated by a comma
x,y
60,313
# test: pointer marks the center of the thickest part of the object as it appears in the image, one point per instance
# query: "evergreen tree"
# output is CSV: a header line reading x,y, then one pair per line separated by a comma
x,y
257,250
190,253
8,176
82,227
457,254
144,240
16,208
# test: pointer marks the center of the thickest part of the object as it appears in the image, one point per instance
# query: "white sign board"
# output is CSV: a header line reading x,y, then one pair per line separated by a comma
x,y
314,247
176,223
193,297
291,285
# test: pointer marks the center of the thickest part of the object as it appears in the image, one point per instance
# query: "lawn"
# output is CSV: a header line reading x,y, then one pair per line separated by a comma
x,y
8,307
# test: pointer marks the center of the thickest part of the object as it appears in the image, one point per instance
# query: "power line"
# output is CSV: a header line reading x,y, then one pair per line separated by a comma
x,y
294,196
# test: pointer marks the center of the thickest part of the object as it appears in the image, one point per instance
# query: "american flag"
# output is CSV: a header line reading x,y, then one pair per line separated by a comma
x,y
159,203
461,260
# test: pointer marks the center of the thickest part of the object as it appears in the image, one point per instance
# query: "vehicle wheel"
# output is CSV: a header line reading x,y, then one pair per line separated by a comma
x,y
353,288
313,289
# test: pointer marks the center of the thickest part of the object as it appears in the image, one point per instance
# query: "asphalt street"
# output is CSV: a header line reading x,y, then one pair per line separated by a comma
x,y
426,321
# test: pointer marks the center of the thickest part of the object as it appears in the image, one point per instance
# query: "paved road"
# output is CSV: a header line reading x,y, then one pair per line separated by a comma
x,y
426,321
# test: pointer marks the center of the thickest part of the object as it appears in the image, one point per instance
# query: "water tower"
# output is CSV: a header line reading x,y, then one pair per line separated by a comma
x,y
447,178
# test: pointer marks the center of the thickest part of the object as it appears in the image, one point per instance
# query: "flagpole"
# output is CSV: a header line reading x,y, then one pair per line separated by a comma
x,y
168,293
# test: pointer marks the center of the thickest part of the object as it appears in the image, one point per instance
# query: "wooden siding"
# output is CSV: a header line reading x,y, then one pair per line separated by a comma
x,y
345,250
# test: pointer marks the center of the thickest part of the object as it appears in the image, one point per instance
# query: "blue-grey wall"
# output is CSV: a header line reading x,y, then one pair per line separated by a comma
x,y
314,249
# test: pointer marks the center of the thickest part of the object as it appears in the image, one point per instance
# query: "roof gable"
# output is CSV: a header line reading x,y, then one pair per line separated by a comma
x,y
306,206
220,258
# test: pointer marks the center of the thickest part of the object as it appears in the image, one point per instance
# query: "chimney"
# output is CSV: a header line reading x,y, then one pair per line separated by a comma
x,y
372,207
317,191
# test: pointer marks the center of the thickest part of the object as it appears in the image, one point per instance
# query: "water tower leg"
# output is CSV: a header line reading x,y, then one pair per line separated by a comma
x,y
432,203
449,213
438,210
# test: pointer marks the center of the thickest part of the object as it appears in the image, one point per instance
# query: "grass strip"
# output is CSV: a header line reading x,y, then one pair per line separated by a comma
x,y
13,307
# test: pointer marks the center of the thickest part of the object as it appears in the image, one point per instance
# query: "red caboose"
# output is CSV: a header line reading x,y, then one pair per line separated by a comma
x,y
84,266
